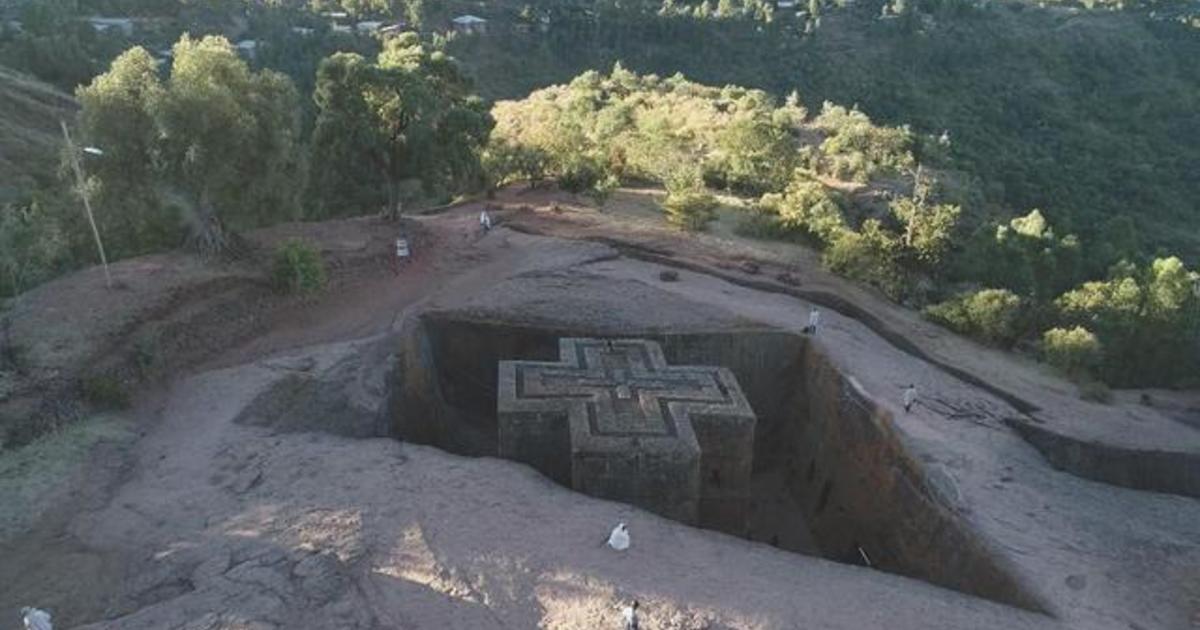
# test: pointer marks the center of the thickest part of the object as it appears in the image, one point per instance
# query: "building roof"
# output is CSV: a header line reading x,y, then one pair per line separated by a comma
x,y
469,19
114,21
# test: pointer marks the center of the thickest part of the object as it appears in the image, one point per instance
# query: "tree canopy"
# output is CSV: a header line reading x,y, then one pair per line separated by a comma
x,y
409,115
215,141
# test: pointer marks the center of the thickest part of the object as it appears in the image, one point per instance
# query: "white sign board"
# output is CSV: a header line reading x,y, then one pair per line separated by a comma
x,y
402,248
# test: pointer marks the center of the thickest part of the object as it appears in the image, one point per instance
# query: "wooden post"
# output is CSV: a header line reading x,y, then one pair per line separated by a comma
x,y
87,204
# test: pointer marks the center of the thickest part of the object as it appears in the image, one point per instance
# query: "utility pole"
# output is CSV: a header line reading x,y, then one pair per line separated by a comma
x,y
87,204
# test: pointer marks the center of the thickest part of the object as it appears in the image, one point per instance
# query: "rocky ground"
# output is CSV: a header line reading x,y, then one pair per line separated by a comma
x,y
243,490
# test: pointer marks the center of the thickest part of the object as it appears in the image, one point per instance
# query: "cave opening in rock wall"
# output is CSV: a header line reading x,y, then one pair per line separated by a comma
x,y
829,477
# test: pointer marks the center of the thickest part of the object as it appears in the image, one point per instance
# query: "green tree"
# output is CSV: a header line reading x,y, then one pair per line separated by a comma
x,y
229,140
217,141
1075,351
691,209
928,228
755,153
506,162
991,315
1024,256
870,255
118,114
31,246
409,115
808,205
854,148
1147,318
688,204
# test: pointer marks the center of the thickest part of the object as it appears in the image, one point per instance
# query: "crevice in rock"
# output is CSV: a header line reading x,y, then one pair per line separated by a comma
x,y
1156,471
831,476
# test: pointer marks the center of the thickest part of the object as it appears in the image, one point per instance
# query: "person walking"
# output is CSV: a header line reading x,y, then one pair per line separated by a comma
x,y
36,619
629,616
402,254
618,539
485,221
910,397
814,320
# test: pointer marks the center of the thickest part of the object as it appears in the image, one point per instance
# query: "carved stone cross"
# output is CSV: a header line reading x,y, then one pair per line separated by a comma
x,y
612,419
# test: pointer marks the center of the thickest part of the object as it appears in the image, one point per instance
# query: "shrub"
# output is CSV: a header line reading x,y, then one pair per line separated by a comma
x,y
867,256
691,209
145,352
928,228
808,206
1147,318
603,189
1095,391
12,355
991,315
579,175
505,162
855,148
758,222
105,392
298,268
1075,351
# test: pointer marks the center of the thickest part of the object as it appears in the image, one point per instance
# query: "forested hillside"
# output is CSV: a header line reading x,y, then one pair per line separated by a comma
x,y
875,201
1025,175
1089,116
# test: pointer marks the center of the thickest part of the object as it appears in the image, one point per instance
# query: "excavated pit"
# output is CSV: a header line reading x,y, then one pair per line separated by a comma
x,y
830,476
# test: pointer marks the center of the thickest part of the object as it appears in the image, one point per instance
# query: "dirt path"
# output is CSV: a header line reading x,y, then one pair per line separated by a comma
x,y
52,566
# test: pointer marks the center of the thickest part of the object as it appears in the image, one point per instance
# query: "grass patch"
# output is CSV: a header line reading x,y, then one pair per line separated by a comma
x,y
105,392
30,474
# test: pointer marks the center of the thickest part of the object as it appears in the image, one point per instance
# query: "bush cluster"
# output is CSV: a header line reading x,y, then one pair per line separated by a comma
x,y
298,268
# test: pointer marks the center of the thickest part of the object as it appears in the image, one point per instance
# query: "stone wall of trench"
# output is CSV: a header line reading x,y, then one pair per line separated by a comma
x,y
860,488
845,473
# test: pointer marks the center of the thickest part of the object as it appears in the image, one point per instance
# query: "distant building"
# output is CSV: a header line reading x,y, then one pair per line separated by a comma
x,y
163,56
302,30
248,47
102,24
470,24
368,26
339,21
785,5
395,28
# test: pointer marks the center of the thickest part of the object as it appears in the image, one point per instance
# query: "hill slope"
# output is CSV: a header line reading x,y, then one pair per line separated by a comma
x,y
29,131
1087,116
